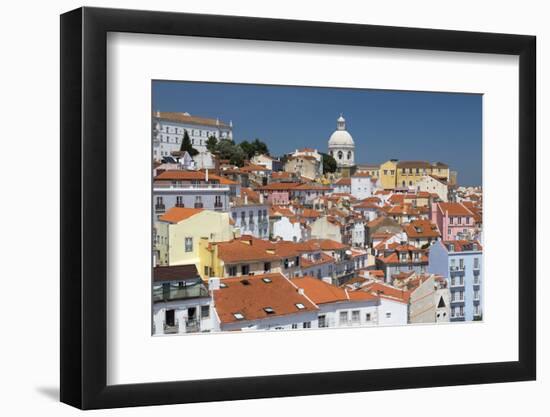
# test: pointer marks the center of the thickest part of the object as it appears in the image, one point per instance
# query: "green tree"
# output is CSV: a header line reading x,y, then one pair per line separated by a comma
x,y
226,149
211,143
329,163
255,147
186,145
260,147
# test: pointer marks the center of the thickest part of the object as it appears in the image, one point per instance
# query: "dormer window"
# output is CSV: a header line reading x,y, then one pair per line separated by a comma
x,y
238,316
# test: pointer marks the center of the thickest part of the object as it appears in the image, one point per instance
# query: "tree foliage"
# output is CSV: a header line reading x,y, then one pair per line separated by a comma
x,y
329,163
255,147
186,145
226,149
211,143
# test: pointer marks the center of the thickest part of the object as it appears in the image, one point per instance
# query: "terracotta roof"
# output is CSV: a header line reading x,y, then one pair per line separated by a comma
x,y
462,245
343,181
413,164
454,209
323,244
187,118
180,175
310,213
388,291
251,296
254,167
319,291
421,229
312,187
178,214
246,249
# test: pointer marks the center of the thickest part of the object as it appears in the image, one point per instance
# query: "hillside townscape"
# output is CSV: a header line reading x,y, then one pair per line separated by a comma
x,y
315,238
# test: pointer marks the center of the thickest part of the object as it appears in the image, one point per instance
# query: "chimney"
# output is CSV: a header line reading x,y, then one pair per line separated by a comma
x,y
214,284
206,178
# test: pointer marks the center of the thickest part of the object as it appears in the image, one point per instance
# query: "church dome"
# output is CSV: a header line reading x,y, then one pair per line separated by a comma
x,y
340,137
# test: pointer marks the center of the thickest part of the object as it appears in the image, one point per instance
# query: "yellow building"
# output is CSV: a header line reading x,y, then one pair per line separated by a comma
x,y
388,174
180,229
406,174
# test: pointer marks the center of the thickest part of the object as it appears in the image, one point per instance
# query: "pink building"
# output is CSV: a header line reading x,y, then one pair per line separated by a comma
x,y
279,198
454,220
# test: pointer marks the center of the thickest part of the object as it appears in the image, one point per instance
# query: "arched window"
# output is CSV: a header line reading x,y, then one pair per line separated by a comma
x,y
340,154
349,155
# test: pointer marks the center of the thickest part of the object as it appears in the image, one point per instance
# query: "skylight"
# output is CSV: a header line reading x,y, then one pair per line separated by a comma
x,y
269,310
238,316
300,306
267,280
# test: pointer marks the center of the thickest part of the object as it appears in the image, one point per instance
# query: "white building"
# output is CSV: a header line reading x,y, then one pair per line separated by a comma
x,y
435,185
169,129
361,186
286,229
341,146
341,307
181,302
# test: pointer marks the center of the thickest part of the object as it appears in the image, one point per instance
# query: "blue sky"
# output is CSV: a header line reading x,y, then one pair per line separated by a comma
x,y
384,124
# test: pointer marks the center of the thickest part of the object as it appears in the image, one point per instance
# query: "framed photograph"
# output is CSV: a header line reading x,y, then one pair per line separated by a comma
x,y
260,208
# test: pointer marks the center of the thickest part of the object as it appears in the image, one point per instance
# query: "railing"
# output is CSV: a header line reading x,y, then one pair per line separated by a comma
x,y
161,186
199,205
458,268
176,293
218,205
192,326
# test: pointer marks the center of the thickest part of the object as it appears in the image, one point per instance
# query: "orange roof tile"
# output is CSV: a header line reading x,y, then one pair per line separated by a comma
x,y
178,214
319,291
251,295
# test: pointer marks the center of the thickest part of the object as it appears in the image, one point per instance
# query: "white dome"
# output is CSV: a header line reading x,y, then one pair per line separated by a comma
x,y
341,138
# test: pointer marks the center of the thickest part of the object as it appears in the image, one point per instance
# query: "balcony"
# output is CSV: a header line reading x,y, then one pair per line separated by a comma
x,y
178,293
160,208
191,187
192,326
218,205
457,269
199,205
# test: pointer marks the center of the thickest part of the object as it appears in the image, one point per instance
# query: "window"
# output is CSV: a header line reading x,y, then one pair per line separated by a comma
x,y
368,317
476,263
461,311
198,201
238,316
205,311
179,201
461,263
307,325
267,267
388,315
243,218
451,220
322,321
245,269
476,295
294,325
355,318
300,306
232,271
343,317
188,244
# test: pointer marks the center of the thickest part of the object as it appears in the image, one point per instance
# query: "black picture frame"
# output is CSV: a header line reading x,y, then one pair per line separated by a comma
x,y
84,207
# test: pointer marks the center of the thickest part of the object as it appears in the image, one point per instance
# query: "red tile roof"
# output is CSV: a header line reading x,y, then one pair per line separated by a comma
x,y
251,295
178,214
